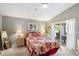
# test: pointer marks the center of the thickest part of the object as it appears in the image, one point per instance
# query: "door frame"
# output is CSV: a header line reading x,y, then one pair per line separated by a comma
x,y
59,22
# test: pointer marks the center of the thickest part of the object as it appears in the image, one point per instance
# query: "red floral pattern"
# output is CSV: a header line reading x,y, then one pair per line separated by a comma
x,y
39,45
34,34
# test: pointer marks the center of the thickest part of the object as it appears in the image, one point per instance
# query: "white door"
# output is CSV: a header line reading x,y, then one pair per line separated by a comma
x,y
71,34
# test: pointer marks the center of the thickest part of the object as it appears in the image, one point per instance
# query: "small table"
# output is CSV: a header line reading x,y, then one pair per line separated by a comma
x,y
20,41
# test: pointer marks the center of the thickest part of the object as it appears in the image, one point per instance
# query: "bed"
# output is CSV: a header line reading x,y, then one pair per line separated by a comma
x,y
39,45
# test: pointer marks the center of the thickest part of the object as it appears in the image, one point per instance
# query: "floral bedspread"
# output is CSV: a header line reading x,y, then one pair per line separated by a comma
x,y
39,45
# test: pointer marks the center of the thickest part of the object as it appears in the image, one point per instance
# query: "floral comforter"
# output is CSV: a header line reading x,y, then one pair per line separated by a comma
x,y
40,45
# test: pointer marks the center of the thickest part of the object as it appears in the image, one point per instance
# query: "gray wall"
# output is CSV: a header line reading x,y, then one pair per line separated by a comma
x,y
72,12
10,24
0,31
0,22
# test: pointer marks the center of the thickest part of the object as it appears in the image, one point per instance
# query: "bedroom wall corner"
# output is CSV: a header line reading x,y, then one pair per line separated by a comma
x,y
10,24
0,31
0,22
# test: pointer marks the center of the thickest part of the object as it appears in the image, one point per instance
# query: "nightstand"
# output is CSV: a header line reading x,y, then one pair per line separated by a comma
x,y
20,41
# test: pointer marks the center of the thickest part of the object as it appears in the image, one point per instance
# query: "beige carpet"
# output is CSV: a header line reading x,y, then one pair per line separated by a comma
x,y
23,51
16,51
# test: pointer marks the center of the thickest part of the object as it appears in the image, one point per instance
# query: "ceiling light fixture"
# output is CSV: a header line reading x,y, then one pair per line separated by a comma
x,y
44,5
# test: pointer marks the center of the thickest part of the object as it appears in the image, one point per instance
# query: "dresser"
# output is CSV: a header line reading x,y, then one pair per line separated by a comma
x,y
20,41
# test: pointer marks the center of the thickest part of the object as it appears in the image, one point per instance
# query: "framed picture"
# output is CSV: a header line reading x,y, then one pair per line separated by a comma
x,y
32,26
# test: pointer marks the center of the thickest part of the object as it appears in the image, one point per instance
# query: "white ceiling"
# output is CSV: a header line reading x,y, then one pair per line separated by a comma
x,y
27,10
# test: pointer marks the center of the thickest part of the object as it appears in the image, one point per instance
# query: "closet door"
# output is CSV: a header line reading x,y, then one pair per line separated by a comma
x,y
71,33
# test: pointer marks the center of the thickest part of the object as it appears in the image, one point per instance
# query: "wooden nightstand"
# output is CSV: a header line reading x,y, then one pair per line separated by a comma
x,y
20,41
